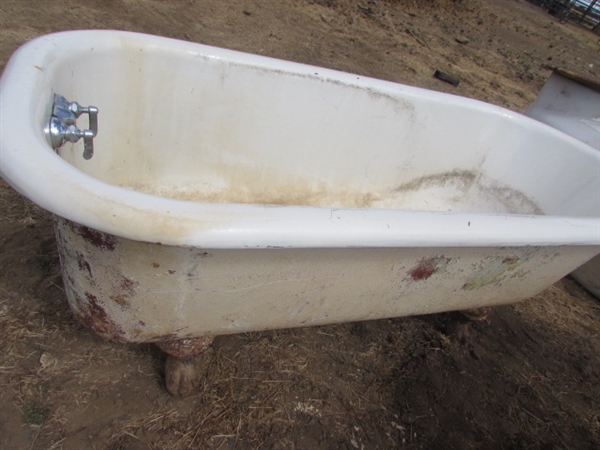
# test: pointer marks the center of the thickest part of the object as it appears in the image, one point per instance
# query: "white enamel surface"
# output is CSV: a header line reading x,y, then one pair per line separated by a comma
x,y
362,162
569,107
574,109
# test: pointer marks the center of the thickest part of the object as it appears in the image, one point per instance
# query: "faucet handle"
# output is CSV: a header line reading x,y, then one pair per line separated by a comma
x,y
92,131
62,125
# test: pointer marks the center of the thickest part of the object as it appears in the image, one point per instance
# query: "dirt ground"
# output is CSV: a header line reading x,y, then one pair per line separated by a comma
x,y
528,380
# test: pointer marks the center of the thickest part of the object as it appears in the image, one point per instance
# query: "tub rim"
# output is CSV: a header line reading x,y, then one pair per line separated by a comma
x,y
68,192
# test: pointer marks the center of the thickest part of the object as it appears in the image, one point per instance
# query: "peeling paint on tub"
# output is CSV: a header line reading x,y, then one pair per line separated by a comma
x,y
185,347
142,292
427,267
84,265
140,328
125,288
92,314
98,239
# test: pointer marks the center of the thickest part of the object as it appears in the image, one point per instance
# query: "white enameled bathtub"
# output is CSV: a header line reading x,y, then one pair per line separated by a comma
x,y
230,192
570,102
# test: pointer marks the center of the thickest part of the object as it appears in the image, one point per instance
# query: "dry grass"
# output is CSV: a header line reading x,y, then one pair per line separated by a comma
x,y
246,406
565,308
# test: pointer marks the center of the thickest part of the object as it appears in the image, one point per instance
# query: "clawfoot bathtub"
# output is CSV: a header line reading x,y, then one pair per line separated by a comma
x,y
210,192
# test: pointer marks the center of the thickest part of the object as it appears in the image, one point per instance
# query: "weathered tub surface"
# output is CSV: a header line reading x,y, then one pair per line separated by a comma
x,y
231,192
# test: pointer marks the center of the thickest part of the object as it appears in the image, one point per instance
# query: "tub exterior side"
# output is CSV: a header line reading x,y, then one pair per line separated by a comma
x,y
147,292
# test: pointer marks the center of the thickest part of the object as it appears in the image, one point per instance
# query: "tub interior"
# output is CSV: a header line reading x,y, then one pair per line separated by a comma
x,y
178,123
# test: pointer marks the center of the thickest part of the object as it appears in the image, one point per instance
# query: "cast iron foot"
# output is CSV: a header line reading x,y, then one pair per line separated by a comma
x,y
460,325
181,376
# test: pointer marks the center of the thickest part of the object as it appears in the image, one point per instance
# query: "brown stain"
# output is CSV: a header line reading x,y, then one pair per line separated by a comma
x,y
510,261
256,187
121,300
427,267
423,271
128,285
155,265
84,266
140,328
127,289
96,238
94,317
515,202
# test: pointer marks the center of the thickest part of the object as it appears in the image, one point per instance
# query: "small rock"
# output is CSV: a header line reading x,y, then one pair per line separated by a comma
x,y
247,12
365,9
48,360
447,78
462,40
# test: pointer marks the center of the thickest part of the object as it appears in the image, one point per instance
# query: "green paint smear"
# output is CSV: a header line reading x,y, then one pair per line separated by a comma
x,y
493,272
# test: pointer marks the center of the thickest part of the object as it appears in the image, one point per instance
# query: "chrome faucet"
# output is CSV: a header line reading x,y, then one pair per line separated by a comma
x,y
61,126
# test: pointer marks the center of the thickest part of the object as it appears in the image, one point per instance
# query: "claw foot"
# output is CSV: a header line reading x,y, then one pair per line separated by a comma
x,y
181,378
181,374
461,330
460,325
